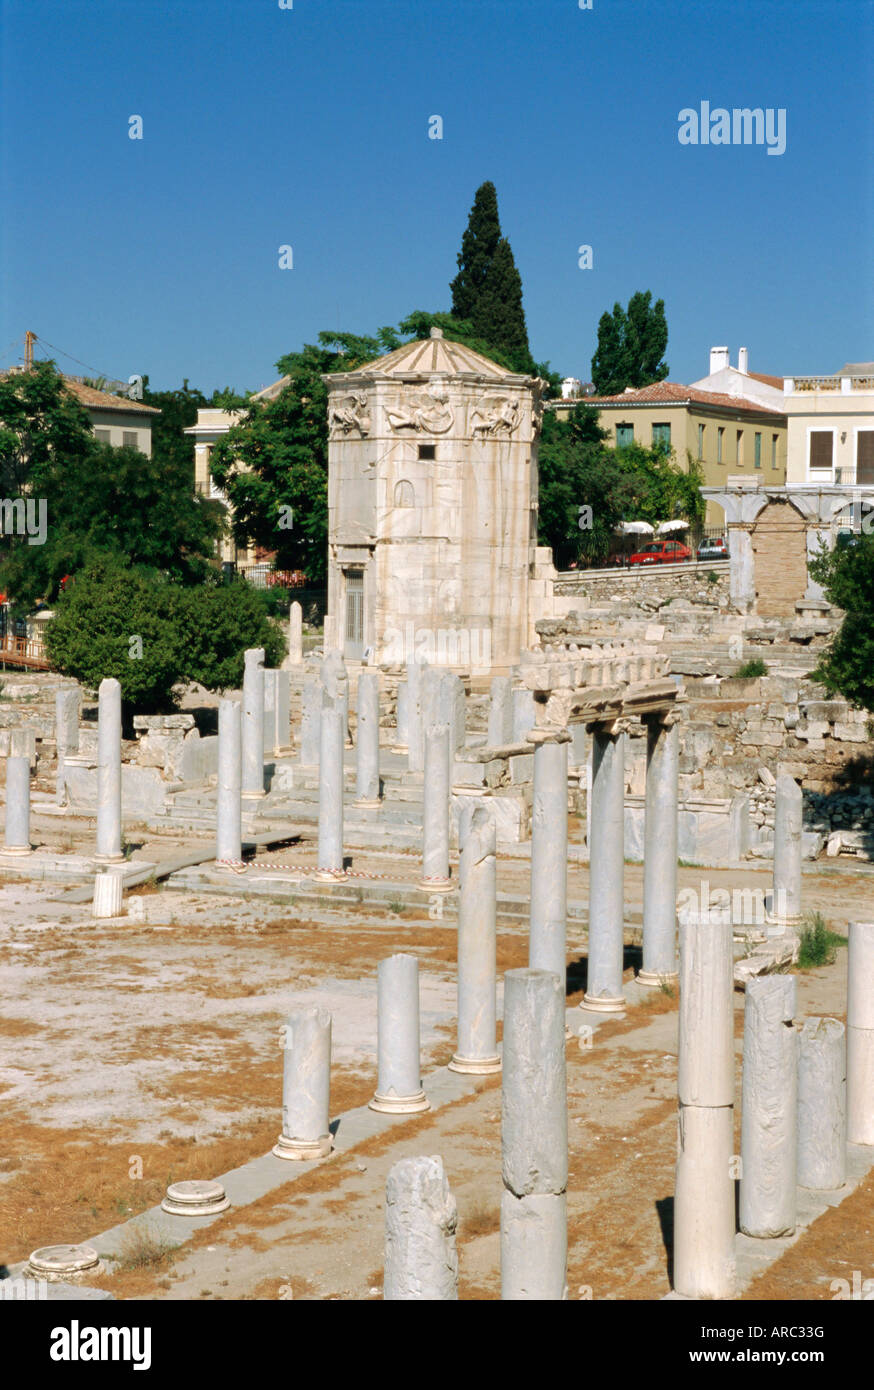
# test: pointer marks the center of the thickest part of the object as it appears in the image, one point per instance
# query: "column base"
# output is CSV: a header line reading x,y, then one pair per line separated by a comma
x,y
106,858
651,980
784,923
400,748
252,796
330,875
18,849
400,1105
195,1198
476,1066
302,1149
604,1004
368,804
436,885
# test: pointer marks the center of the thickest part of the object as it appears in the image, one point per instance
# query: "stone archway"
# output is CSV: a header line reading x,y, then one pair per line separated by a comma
x,y
779,544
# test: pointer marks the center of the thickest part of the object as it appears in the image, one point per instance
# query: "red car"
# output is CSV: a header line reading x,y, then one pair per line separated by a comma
x,y
661,553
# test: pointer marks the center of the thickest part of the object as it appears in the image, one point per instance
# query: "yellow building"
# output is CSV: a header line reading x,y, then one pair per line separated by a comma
x,y
727,435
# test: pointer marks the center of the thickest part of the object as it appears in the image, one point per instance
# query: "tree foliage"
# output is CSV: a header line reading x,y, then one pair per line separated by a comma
x,y
487,291
587,489
631,346
152,634
847,576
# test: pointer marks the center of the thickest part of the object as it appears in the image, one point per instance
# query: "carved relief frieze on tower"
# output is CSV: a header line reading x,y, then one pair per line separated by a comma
x,y
348,414
494,417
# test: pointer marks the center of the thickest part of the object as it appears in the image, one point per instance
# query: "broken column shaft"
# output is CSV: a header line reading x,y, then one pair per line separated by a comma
x,y
17,830
253,723
228,830
306,1085
330,851
860,1033
435,810
704,1206
421,1260
534,1138
399,1080
477,1028
769,1111
822,1104
109,770
367,741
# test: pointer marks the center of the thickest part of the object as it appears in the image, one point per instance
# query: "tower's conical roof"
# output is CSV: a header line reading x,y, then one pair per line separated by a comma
x,y
434,356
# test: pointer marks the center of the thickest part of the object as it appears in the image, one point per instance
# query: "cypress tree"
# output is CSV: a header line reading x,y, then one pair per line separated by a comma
x,y
478,246
630,346
487,292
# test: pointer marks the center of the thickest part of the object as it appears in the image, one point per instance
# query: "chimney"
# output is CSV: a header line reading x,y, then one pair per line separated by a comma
x,y
718,359
743,361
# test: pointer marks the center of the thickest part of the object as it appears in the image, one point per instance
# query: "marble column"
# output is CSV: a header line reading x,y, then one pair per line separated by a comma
x,y
108,894
330,865
399,1078
253,724
534,1138
704,1199
435,811
335,680
277,713
785,906
547,943
769,1108
822,1104
229,821
523,714
660,852
109,771
415,723
477,949
306,1085
310,721
421,1260
860,1033
17,836
367,741
606,870
500,730
67,704
295,636
402,717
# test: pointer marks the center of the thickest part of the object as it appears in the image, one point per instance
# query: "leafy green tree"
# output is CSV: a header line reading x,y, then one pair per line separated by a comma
x,y
631,346
587,488
97,622
847,576
154,635
42,426
218,622
120,500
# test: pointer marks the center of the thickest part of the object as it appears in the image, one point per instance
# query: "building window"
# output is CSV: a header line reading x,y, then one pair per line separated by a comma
x,y
624,436
700,441
865,456
757,450
427,451
103,436
774,438
130,439
720,440
404,494
661,434
739,448
821,451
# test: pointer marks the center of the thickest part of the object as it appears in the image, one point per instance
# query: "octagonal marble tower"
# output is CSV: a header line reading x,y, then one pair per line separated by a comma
x,y
432,508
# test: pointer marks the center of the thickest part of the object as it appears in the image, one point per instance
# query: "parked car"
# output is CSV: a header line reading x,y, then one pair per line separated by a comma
x,y
661,553
713,548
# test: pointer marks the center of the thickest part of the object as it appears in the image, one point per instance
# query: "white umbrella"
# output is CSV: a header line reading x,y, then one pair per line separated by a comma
x,y
635,528
678,525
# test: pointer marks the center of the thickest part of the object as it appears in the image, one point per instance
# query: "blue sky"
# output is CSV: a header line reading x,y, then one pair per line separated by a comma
x,y
265,126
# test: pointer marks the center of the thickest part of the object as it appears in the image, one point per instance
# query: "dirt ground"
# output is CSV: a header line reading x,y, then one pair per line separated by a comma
x,y
158,1040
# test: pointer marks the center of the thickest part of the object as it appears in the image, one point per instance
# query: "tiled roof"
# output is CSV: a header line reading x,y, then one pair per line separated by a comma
x,y
93,399
673,393
437,355
776,381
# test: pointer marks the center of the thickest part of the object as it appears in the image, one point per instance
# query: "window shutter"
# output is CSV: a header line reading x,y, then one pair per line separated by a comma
x,y
821,449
